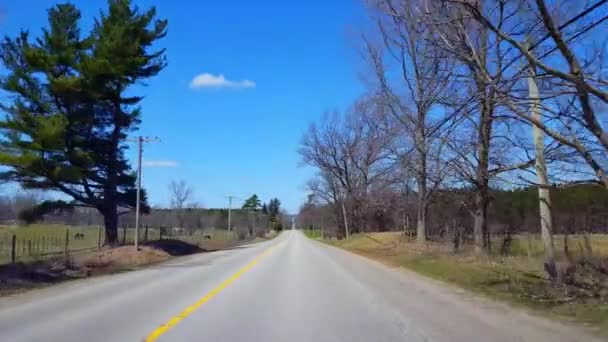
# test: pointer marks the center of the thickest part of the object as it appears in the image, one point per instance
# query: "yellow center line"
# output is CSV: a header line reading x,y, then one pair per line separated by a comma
x,y
162,329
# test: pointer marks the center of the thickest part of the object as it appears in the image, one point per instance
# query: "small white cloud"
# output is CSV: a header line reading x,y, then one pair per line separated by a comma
x,y
160,163
206,80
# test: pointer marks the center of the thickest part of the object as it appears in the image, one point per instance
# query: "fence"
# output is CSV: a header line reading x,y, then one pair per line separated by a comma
x,y
36,242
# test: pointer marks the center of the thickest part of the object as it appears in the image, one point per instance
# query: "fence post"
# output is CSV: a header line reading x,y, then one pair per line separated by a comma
x,y
13,248
42,250
67,241
146,234
29,247
161,233
99,237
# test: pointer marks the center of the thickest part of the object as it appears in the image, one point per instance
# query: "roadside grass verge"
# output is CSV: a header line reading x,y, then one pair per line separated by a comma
x,y
312,233
517,279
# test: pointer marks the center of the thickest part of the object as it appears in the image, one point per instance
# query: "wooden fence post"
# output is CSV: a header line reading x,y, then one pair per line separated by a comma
x,y
146,234
67,241
29,247
43,245
13,248
99,237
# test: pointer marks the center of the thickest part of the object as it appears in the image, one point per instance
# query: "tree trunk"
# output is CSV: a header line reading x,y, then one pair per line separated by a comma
x,y
421,224
109,206
110,220
482,195
480,224
544,197
485,97
421,175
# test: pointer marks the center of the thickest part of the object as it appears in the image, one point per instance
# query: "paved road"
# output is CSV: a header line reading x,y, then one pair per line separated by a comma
x,y
287,289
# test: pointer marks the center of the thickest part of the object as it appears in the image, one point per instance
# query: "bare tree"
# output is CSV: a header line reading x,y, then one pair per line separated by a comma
x,y
353,154
181,193
573,70
486,130
424,77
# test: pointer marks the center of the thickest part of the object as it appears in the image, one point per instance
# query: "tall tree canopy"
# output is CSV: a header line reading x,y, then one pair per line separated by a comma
x,y
71,108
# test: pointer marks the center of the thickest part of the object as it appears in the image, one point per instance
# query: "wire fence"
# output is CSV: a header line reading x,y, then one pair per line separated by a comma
x,y
37,242
83,231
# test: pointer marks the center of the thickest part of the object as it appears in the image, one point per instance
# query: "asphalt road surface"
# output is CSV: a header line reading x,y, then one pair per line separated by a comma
x,y
287,289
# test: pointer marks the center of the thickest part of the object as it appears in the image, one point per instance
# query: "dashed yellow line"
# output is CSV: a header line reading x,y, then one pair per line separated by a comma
x,y
162,329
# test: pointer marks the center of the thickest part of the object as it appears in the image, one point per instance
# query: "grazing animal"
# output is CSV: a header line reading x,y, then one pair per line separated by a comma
x,y
79,236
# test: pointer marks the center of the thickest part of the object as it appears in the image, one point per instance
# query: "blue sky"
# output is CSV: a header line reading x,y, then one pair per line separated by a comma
x,y
287,61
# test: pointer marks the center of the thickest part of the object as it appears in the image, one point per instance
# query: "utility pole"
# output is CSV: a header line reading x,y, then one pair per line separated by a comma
x,y
230,198
322,219
255,218
544,195
345,220
140,142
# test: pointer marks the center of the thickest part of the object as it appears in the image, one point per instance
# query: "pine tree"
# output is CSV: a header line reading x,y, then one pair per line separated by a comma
x,y
252,203
70,109
274,206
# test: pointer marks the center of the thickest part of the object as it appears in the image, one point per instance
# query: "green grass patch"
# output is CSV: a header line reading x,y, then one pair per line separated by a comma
x,y
312,233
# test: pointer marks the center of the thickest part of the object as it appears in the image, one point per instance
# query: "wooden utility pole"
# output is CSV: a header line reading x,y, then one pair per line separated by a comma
x,y
322,219
345,220
230,198
140,142
544,196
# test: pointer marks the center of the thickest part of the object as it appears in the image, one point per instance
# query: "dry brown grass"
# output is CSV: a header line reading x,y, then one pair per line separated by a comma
x,y
121,258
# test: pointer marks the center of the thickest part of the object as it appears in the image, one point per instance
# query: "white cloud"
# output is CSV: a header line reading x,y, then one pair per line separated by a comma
x,y
206,80
160,163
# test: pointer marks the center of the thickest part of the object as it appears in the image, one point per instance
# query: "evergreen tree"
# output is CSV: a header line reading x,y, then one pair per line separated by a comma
x,y
252,203
70,107
274,207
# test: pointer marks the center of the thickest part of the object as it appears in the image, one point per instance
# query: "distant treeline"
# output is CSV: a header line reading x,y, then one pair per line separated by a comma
x,y
576,209
187,218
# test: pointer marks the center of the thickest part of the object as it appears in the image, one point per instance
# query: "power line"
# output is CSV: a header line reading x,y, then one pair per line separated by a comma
x,y
561,27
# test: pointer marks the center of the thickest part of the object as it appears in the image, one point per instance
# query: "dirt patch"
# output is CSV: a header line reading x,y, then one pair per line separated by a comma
x,y
120,257
20,277
175,247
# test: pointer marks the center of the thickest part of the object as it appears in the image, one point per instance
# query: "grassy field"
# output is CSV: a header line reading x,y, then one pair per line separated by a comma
x,y
518,278
38,241
313,234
